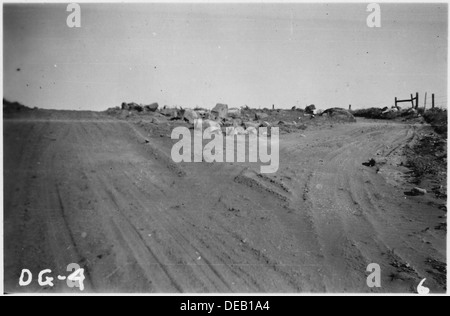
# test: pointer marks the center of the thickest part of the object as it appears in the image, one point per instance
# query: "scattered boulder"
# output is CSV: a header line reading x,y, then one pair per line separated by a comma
x,y
418,191
261,115
339,113
252,124
220,111
237,122
238,130
151,107
190,115
310,109
284,123
125,106
201,113
213,125
234,112
411,111
132,107
393,109
227,122
170,112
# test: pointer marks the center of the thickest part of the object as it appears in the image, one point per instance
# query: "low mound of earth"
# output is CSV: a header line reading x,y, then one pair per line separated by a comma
x,y
103,192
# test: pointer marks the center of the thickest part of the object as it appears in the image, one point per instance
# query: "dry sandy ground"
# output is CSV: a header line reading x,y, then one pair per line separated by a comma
x,y
84,187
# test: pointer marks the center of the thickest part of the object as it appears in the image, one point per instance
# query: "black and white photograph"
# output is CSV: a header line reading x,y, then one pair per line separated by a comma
x,y
224,148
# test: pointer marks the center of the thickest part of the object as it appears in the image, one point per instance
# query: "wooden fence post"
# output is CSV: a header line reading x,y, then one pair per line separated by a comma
x,y
425,103
432,100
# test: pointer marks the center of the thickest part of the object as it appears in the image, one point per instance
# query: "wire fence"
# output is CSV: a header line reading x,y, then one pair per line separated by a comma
x,y
440,101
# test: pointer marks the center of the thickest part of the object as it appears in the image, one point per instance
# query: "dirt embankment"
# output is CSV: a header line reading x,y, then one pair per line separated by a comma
x,y
103,192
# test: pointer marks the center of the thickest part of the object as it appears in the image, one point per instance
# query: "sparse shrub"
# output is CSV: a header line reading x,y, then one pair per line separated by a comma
x,y
421,166
438,119
372,113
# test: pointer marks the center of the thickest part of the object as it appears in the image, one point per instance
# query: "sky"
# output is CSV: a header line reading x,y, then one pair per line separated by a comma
x,y
201,54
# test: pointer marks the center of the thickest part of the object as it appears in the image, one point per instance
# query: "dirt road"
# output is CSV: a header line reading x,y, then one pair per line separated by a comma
x,y
81,187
